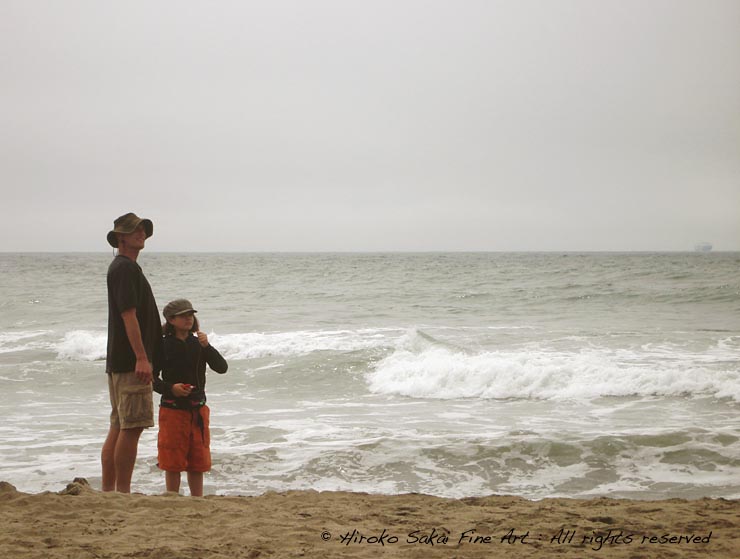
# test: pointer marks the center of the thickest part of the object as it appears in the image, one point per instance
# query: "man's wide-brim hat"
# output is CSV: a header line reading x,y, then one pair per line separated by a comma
x,y
126,224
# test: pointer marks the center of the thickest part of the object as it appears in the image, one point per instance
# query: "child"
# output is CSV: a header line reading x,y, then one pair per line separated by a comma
x,y
184,437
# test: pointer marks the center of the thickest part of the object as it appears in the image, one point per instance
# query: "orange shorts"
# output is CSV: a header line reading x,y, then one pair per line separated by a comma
x,y
183,446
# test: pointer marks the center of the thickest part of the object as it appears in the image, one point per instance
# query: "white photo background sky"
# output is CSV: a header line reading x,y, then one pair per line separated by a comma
x,y
369,126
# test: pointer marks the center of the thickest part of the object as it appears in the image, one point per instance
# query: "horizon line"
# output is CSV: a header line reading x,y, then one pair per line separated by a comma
x,y
431,251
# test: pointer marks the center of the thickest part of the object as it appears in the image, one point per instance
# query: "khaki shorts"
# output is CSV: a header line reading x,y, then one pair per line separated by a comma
x,y
131,401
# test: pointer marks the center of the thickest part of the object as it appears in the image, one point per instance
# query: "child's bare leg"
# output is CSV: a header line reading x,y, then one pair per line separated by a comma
x,y
195,482
172,479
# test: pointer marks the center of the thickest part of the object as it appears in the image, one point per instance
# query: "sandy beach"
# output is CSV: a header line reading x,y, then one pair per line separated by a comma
x,y
81,522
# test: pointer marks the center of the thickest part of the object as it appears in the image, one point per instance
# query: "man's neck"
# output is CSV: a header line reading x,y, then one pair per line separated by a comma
x,y
131,253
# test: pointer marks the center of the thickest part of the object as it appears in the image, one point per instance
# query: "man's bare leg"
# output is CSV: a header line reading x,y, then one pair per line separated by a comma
x,y
172,480
107,459
195,482
127,446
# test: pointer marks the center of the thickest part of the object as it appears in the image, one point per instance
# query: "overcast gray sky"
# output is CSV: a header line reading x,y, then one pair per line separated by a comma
x,y
341,125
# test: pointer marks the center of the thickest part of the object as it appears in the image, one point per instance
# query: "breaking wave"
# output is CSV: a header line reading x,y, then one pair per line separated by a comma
x,y
420,367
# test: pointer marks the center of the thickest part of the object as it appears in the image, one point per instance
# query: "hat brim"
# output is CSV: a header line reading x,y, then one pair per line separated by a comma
x,y
113,234
173,315
184,312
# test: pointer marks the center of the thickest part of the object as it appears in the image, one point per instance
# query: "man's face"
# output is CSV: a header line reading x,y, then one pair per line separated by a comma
x,y
134,240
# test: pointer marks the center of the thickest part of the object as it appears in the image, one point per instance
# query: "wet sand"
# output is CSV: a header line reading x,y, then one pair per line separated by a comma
x,y
82,523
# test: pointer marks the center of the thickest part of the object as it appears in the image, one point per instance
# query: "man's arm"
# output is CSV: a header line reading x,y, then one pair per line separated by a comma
x,y
143,366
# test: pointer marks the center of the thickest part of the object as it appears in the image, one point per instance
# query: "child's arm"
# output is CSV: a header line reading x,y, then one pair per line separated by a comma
x,y
215,361
159,385
164,388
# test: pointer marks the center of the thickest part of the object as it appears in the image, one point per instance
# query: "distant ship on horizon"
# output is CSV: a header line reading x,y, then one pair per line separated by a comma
x,y
703,247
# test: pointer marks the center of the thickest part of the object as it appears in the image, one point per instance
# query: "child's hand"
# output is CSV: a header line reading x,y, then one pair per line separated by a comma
x,y
181,390
202,338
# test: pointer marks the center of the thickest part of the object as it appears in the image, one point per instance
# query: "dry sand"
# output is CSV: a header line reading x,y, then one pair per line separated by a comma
x,y
79,523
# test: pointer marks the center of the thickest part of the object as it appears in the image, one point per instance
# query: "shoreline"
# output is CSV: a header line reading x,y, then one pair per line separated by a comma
x,y
81,522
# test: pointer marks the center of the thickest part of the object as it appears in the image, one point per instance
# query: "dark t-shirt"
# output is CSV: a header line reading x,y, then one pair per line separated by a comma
x,y
127,289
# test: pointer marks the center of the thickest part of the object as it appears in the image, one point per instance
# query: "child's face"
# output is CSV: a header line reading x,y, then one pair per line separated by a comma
x,y
183,321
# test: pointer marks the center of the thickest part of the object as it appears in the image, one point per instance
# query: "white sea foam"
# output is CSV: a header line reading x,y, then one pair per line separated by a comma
x,y
86,345
420,368
82,345
257,344
20,341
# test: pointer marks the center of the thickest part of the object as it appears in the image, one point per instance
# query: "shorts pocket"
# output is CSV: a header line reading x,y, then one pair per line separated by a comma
x,y
136,405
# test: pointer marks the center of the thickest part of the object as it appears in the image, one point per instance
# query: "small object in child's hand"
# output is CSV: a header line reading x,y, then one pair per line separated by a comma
x,y
188,386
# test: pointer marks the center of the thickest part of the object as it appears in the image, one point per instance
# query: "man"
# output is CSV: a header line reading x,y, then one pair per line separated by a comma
x,y
134,335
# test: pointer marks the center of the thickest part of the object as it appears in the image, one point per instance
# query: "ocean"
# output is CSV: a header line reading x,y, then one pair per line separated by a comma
x,y
450,374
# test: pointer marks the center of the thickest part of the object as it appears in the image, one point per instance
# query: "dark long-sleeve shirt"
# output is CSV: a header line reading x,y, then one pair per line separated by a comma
x,y
184,361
